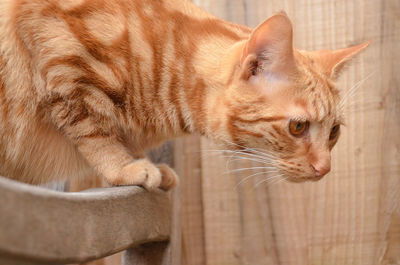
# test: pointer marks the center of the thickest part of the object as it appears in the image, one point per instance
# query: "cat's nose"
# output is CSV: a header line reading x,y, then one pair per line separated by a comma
x,y
321,169
320,161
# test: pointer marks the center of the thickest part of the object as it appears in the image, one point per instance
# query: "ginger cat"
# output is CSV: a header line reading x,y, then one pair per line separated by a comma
x,y
87,86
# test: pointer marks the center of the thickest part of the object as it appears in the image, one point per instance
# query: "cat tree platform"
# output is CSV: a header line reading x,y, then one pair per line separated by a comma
x,y
41,226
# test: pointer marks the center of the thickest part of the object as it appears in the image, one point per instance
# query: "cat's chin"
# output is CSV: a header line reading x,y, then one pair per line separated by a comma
x,y
303,179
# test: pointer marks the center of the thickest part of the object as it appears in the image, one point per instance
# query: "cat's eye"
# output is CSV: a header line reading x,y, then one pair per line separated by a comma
x,y
334,132
298,128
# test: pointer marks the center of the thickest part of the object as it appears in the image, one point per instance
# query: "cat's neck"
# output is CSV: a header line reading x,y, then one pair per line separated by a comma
x,y
218,63
210,66
187,55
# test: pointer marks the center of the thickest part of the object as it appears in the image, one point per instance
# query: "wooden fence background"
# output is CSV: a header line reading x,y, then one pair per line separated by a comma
x,y
350,217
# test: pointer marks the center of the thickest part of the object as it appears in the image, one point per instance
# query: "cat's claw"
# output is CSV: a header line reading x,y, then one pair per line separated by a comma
x,y
169,178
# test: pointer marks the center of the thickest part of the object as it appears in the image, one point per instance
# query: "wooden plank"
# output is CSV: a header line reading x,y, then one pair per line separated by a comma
x,y
176,230
387,247
188,166
221,211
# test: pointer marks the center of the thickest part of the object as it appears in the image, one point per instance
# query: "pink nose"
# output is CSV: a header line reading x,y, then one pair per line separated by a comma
x,y
321,170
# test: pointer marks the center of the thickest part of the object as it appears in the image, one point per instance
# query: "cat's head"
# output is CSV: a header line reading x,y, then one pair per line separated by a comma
x,y
283,103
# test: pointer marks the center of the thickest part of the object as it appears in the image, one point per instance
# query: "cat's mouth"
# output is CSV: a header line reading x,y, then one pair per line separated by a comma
x,y
300,178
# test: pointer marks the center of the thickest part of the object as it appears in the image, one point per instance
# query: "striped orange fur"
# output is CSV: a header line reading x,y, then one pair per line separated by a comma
x,y
87,86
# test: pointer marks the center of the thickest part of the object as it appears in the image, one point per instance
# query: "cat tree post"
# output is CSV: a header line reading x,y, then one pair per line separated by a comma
x,y
157,253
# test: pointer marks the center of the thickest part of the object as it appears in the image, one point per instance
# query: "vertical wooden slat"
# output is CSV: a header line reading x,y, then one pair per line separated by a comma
x,y
191,235
387,248
221,211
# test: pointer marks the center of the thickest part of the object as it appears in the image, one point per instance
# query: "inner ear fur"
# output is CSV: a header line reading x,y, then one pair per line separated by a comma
x,y
269,48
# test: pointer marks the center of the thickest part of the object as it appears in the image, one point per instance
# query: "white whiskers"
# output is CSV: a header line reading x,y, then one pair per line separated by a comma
x,y
268,179
351,92
249,168
268,163
249,177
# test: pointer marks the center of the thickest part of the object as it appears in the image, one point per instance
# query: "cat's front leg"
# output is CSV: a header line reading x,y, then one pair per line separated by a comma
x,y
99,143
112,160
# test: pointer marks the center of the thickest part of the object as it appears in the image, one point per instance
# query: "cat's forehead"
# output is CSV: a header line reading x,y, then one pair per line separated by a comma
x,y
317,93
309,96
321,111
312,99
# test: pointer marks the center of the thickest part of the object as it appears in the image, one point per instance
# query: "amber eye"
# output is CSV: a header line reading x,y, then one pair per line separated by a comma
x,y
297,128
334,132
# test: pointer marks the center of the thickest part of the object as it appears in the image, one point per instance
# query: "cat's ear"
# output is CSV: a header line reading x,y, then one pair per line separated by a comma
x,y
334,61
269,50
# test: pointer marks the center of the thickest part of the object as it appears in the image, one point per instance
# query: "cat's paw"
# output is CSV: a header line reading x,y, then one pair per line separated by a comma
x,y
169,178
143,172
